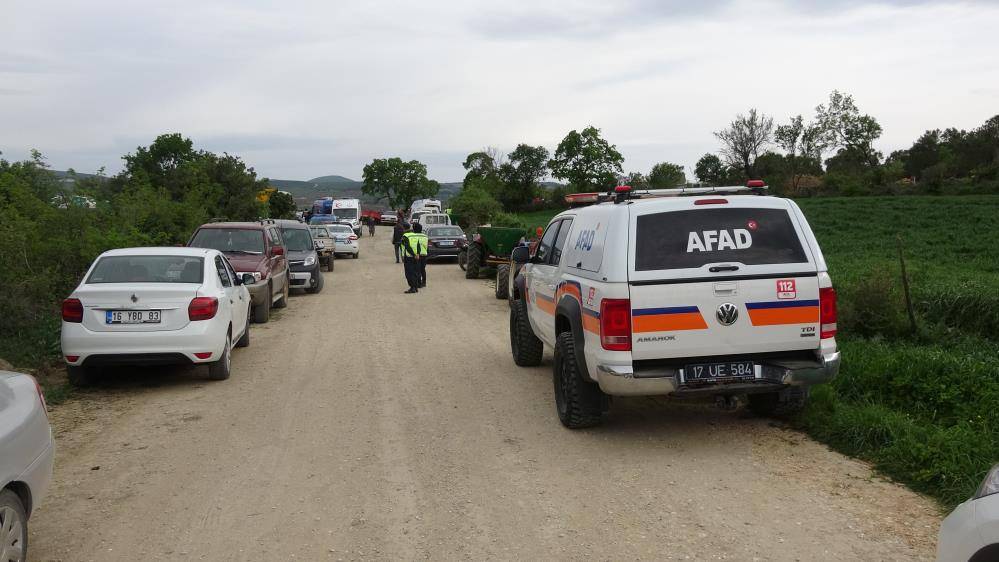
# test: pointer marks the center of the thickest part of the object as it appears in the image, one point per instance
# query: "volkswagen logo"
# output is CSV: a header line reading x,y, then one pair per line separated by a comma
x,y
727,314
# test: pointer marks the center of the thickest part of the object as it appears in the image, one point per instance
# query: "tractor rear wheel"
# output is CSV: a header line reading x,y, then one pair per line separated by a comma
x,y
474,263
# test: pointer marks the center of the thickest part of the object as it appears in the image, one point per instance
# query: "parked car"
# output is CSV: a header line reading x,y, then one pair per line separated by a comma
x,y
345,239
724,295
256,248
303,259
26,454
325,245
389,218
142,306
445,241
971,532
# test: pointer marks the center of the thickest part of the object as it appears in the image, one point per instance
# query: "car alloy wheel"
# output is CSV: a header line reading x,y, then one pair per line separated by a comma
x,y
12,535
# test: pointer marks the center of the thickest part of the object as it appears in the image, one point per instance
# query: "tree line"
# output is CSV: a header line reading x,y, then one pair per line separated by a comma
x,y
51,230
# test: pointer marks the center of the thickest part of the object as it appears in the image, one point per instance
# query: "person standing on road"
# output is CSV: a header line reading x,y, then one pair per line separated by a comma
x,y
397,231
414,245
421,263
371,226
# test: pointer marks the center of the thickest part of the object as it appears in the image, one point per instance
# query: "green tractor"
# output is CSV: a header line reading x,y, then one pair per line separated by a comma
x,y
491,246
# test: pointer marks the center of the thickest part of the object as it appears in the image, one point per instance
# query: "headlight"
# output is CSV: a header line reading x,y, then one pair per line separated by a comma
x,y
256,275
990,485
311,260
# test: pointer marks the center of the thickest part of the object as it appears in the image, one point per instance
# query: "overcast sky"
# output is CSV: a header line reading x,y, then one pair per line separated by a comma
x,y
301,89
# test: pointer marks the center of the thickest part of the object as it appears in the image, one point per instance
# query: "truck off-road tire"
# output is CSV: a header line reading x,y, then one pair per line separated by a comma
x,y
80,376
329,264
781,404
579,403
474,261
220,370
13,520
526,347
262,312
462,258
503,281
244,340
282,301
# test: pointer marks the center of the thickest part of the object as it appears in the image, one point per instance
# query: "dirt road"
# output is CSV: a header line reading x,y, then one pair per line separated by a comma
x,y
414,436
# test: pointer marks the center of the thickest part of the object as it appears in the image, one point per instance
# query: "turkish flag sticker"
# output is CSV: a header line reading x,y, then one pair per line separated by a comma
x,y
786,289
751,225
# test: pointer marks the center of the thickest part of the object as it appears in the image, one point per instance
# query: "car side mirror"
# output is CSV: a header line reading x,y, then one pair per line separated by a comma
x,y
521,255
247,278
277,251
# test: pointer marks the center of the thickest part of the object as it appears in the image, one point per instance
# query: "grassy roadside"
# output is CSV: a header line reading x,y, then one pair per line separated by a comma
x,y
921,406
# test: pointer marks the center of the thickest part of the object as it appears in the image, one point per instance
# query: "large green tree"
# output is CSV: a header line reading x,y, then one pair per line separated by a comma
x,y
521,175
397,182
281,205
745,139
586,161
710,170
665,175
844,128
803,144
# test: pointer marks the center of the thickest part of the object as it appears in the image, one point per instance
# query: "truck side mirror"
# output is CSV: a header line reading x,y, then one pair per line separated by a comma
x,y
521,255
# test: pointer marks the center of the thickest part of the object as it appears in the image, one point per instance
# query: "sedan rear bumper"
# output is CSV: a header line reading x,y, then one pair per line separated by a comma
x,y
144,348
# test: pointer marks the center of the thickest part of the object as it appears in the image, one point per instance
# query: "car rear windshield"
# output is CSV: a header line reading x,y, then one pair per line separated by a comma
x,y
147,269
345,214
341,229
233,240
446,231
297,239
694,238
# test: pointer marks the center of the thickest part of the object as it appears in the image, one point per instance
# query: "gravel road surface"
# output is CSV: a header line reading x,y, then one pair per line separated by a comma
x,y
364,423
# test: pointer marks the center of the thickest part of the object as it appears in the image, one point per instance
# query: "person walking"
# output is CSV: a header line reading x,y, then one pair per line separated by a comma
x,y
414,245
397,231
371,225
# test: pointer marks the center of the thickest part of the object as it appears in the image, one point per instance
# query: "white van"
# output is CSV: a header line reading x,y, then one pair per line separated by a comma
x,y
723,294
348,211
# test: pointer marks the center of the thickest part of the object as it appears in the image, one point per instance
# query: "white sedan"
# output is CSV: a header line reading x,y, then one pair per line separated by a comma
x,y
971,532
143,306
346,240
26,453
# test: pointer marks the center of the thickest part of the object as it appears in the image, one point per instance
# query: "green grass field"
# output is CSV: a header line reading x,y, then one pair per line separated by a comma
x,y
922,406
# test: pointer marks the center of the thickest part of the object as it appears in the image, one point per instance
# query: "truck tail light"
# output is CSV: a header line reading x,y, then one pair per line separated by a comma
x,y
827,312
72,310
202,308
615,324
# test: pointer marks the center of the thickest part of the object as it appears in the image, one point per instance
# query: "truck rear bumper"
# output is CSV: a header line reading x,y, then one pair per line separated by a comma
x,y
622,380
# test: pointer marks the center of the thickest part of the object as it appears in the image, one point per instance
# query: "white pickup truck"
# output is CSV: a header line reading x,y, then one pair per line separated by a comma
x,y
653,293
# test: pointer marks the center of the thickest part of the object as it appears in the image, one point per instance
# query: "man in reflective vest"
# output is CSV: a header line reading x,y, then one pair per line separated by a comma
x,y
414,253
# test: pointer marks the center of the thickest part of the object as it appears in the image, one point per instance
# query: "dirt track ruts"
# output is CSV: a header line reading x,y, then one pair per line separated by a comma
x,y
363,423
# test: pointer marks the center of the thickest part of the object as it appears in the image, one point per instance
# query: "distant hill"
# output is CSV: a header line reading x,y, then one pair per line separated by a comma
x,y
332,179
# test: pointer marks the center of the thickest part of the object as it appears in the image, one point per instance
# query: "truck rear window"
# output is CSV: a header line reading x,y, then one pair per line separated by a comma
x,y
694,238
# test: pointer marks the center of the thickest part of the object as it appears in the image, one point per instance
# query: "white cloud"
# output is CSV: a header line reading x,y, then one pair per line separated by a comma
x,y
301,89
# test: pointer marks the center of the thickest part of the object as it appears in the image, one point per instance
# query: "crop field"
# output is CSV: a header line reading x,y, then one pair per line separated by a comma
x,y
922,405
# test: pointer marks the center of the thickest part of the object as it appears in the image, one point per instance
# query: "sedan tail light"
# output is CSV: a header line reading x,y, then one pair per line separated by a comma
x,y
202,308
352,237
72,310
827,312
41,396
615,324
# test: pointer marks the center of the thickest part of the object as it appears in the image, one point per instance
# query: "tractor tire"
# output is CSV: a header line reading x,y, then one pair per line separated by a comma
x,y
781,404
502,281
579,403
462,258
474,261
526,347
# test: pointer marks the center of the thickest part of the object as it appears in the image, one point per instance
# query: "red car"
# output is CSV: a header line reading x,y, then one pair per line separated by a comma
x,y
256,248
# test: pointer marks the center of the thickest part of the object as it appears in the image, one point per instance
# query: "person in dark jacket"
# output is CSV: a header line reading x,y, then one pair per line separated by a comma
x,y
397,233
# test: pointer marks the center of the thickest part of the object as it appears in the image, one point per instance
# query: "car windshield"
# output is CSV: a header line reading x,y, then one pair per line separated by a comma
x,y
434,219
445,231
341,229
345,214
320,233
147,269
232,240
297,239
322,219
